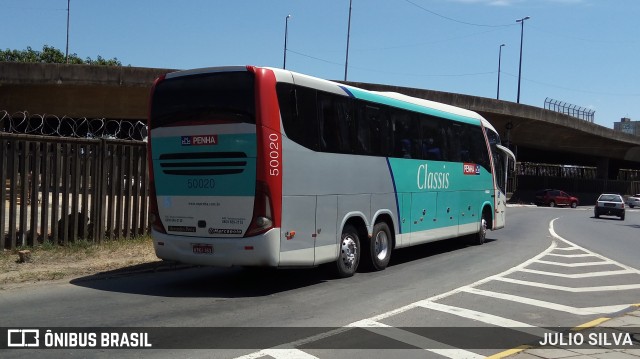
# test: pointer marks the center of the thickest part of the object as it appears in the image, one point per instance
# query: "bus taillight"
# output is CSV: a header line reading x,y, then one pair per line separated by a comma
x,y
262,220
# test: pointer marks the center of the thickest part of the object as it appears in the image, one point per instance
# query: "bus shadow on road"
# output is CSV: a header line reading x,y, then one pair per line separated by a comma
x,y
176,280
424,251
197,281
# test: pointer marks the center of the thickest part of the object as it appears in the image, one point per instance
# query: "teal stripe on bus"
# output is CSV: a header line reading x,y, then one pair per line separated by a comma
x,y
381,99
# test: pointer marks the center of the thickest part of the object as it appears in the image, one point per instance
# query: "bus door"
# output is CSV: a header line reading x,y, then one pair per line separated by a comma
x,y
501,162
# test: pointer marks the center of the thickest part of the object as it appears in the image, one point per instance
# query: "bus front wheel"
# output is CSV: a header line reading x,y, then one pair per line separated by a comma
x,y
481,236
379,251
349,252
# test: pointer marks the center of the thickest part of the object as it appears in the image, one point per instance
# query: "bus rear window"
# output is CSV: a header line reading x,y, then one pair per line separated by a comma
x,y
204,98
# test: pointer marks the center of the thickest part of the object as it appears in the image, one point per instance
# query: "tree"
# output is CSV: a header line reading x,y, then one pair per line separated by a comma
x,y
51,55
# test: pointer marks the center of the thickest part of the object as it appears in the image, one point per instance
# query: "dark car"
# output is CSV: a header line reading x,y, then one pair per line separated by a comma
x,y
554,197
609,205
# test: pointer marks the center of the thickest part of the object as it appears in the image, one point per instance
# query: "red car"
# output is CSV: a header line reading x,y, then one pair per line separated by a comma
x,y
554,197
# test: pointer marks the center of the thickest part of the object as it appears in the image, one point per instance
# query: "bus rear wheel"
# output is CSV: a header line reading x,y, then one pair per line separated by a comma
x,y
349,252
379,251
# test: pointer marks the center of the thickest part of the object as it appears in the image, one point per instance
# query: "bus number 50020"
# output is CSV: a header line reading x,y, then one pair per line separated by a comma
x,y
274,155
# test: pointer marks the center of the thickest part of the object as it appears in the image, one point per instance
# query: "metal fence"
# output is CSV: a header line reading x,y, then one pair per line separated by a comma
x,y
23,122
60,189
569,109
580,181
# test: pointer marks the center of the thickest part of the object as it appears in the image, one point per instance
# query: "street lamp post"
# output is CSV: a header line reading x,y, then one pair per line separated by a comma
x,y
66,54
346,61
499,60
286,32
521,21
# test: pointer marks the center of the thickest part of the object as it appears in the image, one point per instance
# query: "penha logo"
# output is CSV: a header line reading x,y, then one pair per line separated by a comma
x,y
200,140
471,169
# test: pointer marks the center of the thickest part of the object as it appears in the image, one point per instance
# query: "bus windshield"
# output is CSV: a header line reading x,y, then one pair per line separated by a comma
x,y
204,98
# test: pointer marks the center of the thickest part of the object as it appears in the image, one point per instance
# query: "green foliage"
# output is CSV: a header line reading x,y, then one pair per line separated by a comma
x,y
51,55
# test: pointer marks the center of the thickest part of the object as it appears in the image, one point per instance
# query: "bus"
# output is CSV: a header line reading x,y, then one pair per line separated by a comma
x,y
253,166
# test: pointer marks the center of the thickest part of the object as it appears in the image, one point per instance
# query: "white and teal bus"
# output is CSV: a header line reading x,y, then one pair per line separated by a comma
x,y
254,166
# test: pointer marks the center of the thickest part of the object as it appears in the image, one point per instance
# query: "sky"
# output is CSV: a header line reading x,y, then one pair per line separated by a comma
x,y
582,52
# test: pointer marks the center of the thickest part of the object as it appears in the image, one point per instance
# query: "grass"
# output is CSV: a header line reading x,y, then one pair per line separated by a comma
x,y
50,261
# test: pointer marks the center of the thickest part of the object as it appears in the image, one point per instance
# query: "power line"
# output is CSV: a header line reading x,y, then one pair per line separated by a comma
x,y
454,20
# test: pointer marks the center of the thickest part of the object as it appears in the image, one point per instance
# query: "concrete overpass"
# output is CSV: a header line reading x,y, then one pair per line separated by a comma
x,y
536,134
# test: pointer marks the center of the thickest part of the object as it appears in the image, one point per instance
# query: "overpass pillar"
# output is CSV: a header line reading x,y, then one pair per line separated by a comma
x,y
603,169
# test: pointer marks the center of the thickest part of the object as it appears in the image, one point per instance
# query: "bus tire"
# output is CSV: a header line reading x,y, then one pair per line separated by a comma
x,y
379,246
481,236
348,252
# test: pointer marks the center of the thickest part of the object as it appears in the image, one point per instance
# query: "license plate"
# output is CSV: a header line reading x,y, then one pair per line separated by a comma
x,y
202,249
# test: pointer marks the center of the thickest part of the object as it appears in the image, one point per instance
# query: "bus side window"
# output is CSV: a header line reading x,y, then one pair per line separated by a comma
x,y
405,135
298,111
345,122
479,152
363,136
335,117
430,139
453,132
379,129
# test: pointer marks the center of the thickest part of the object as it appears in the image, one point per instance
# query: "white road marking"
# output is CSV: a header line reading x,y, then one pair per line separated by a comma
x,y
374,323
288,354
580,275
555,235
571,289
571,255
573,265
567,248
413,339
472,314
548,305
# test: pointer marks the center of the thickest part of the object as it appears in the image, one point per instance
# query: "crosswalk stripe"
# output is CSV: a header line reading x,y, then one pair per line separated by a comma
x,y
568,249
414,340
557,236
571,255
288,354
475,315
549,305
570,289
584,264
579,275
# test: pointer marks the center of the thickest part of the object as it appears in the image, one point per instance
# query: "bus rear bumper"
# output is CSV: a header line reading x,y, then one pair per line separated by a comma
x,y
261,250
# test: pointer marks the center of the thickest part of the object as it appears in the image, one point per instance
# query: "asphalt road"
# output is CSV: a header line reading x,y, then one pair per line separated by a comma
x,y
510,281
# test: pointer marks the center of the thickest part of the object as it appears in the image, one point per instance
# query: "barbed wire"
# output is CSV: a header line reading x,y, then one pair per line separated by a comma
x,y
52,125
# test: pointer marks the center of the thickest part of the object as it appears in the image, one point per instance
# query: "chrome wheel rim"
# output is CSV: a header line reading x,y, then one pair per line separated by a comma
x,y
381,245
348,251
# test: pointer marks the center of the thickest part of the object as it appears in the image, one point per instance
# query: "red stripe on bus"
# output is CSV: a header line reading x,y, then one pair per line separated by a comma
x,y
269,168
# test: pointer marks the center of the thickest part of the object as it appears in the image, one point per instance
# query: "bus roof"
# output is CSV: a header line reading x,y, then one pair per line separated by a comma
x,y
389,98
